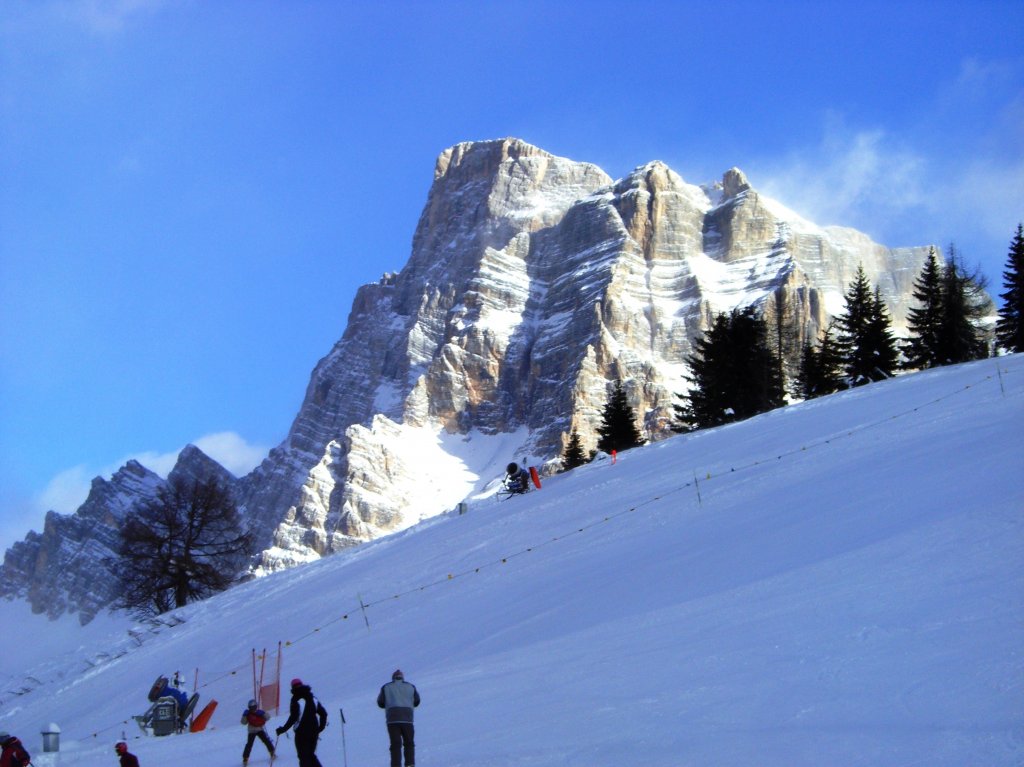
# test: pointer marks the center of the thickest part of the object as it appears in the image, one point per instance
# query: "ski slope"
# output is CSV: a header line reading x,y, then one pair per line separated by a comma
x,y
839,582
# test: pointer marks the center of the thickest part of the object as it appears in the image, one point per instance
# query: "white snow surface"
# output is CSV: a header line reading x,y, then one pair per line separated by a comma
x,y
838,582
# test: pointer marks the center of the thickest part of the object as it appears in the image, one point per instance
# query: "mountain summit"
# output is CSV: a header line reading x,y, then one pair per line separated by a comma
x,y
533,283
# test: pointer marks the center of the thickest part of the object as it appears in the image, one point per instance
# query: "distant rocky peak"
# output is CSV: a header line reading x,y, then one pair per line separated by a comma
x,y
533,282
195,465
483,158
734,182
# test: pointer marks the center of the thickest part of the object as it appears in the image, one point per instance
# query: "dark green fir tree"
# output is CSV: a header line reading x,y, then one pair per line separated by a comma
x,y
574,455
618,428
865,334
733,372
965,305
1010,326
925,320
821,367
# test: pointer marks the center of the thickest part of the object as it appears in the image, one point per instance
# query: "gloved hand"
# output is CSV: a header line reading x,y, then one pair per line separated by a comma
x,y
280,731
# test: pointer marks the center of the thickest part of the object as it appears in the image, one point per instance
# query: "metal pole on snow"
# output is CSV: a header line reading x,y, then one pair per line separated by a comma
x,y
344,747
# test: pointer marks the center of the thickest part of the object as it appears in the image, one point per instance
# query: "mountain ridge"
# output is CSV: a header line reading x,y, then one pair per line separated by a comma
x,y
534,281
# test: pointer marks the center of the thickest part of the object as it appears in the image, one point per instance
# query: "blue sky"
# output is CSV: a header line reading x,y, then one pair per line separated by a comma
x,y
191,192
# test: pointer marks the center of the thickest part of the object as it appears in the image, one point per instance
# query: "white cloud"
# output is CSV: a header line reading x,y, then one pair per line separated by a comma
x,y
66,491
69,489
850,178
232,452
970,192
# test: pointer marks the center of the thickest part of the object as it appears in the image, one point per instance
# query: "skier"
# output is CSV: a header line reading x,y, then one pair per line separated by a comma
x,y
13,753
255,718
127,759
309,718
398,698
517,480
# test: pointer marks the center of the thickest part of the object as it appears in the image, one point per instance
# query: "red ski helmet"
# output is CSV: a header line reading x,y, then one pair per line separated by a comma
x,y
121,747
296,682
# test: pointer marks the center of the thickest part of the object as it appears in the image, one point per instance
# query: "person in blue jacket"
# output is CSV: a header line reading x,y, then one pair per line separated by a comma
x,y
398,698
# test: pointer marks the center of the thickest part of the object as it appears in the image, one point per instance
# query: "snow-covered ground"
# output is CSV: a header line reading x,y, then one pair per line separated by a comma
x,y
839,582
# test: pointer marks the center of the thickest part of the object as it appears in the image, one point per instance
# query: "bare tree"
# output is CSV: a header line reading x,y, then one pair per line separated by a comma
x,y
185,544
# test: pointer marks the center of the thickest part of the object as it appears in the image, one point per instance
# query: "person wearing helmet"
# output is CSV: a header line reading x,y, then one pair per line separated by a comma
x,y
255,718
398,698
517,479
127,759
12,753
309,718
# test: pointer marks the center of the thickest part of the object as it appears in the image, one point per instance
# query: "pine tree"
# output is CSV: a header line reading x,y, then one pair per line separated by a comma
x,y
733,372
1010,326
618,428
964,307
925,320
880,338
821,368
865,334
574,455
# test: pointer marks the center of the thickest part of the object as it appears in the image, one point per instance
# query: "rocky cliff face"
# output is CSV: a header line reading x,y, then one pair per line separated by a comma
x,y
534,282
62,569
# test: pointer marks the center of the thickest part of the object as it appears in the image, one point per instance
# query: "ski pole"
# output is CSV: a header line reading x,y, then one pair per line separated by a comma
x,y
344,747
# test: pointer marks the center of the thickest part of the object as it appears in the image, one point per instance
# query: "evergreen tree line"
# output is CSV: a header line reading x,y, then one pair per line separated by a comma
x,y
738,367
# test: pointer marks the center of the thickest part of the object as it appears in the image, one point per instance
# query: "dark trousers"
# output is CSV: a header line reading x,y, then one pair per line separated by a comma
x,y
262,735
402,733
305,749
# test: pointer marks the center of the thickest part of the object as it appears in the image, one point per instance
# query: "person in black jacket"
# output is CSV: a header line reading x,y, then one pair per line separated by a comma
x,y
398,698
309,718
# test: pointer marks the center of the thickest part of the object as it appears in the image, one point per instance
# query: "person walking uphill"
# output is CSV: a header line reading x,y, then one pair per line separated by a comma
x,y
126,759
13,754
309,718
398,698
255,718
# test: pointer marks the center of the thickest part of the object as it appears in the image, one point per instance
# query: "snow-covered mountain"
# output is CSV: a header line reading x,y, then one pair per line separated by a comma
x,y
62,568
533,283
837,582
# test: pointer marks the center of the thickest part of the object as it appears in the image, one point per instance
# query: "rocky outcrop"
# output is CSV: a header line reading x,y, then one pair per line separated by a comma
x,y
534,282
63,569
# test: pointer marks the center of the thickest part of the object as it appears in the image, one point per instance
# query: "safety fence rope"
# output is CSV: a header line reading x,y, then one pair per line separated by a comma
x,y
609,517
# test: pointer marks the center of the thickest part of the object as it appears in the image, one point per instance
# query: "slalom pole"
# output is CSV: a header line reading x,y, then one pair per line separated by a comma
x,y
344,747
